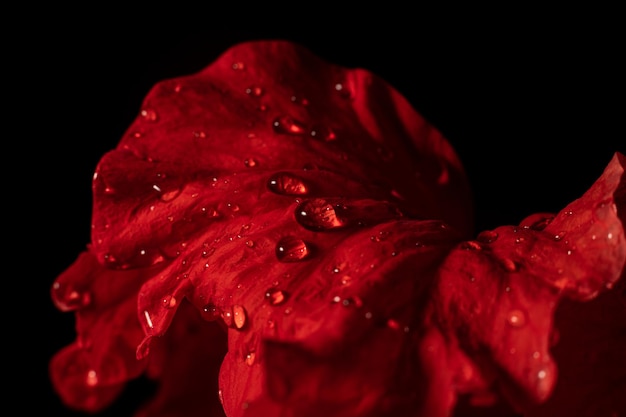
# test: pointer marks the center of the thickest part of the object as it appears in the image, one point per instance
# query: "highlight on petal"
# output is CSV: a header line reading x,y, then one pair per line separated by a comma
x,y
288,237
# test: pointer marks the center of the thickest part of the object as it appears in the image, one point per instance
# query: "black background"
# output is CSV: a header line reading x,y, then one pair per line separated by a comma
x,y
534,109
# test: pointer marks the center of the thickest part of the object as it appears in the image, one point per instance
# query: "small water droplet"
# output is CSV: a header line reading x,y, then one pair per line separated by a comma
x,y
487,236
250,358
509,264
291,249
239,316
380,236
220,395
254,91
288,125
471,245
210,312
537,221
67,298
323,133
343,90
275,296
516,318
149,115
227,316
207,251
318,214
250,162
168,301
559,236
238,66
286,184
250,243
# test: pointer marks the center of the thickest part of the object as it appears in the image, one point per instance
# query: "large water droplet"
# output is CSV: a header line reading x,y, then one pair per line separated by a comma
x,y
291,249
288,125
275,296
286,184
318,214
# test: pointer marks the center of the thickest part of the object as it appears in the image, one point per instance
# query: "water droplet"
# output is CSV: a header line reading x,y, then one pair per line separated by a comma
x,y
343,90
250,243
254,91
487,236
210,312
220,395
323,133
92,378
250,162
227,316
471,245
516,318
169,301
509,264
380,237
288,125
167,196
286,184
275,296
67,298
291,249
537,221
239,316
238,66
318,214
250,358
559,236
149,115
206,252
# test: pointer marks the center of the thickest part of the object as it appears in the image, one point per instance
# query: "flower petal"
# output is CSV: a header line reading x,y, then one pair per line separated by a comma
x,y
89,373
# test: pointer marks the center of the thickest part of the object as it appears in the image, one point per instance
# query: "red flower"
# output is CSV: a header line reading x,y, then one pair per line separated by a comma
x,y
292,235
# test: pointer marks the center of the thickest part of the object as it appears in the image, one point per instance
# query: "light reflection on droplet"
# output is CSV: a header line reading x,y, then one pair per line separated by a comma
x,y
291,249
